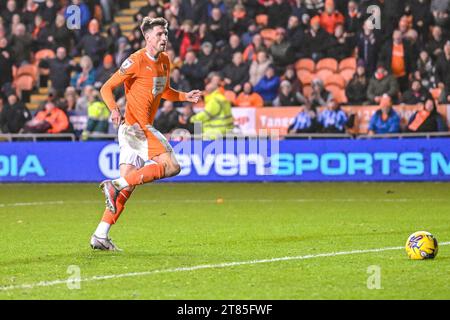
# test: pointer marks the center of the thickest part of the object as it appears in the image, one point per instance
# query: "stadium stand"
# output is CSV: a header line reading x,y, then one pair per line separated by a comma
x,y
32,31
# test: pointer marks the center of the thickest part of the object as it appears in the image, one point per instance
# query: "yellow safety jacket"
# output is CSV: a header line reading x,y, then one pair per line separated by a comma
x,y
216,118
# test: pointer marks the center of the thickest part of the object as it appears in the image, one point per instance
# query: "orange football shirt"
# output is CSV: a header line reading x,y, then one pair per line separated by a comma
x,y
146,81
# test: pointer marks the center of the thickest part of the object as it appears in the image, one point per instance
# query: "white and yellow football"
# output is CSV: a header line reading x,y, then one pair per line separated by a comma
x,y
421,245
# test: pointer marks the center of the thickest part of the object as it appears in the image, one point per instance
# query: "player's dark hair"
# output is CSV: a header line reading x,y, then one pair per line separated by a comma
x,y
149,23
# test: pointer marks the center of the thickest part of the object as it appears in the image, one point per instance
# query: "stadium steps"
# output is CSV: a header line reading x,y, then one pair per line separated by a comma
x,y
126,17
138,4
37,98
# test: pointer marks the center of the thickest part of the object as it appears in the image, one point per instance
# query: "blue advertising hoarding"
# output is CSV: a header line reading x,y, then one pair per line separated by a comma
x,y
239,160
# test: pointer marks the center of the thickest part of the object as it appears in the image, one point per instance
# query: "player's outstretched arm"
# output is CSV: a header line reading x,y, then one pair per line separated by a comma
x,y
174,95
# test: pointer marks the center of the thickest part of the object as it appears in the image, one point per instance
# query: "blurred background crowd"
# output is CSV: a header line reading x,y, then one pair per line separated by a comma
x,y
317,54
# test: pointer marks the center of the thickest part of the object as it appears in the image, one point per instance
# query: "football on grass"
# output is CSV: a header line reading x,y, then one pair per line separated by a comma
x,y
421,245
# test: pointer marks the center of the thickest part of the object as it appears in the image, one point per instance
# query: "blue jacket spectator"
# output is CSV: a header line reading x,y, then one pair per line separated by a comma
x,y
268,86
85,14
304,121
333,119
385,120
86,76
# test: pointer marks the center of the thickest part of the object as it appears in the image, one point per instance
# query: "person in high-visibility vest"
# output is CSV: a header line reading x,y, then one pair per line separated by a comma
x,y
216,118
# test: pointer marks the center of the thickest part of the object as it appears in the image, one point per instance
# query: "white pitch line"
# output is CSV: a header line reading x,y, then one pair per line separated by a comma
x,y
62,202
199,267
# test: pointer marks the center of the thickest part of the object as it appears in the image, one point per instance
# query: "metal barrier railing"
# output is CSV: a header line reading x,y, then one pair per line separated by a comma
x,y
427,135
36,136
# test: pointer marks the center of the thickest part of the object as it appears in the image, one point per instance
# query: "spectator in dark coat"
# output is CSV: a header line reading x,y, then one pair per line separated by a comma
x,y
426,70
422,17
194,10
416,94
356,90
339,46
225,52
316,41
21,45
6,63
279,13
178,82
281,51
435,45
41,34
93,44
167,118
352,21
193,71
14,115
122,52
114,34
48,10
62,36
184,118
105,71
236,73
207,58
218,25
443,73
60,68
368,44
382,83
287,97
295,34
152,6
11,9
240,21
298,8
427,119
29,12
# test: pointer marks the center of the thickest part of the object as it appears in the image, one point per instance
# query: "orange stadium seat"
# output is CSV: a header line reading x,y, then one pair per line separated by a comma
x,y
306,64
323,74
348,63
43,54
335,79
22,83
304,76
28,69
347,74
327,63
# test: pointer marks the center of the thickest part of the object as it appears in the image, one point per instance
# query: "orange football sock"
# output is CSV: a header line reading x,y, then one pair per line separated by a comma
x,y
122,198
145,174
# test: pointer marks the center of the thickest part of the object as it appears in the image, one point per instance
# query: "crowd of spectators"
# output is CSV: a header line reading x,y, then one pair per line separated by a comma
x,y
399,60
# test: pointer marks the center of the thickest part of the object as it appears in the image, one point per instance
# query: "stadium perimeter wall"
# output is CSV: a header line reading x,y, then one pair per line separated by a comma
x,y
242,160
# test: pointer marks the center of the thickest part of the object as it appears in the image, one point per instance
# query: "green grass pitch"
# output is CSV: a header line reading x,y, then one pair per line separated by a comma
x,y
167,230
